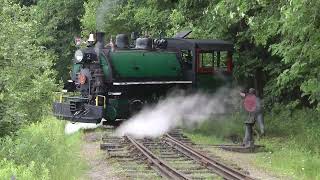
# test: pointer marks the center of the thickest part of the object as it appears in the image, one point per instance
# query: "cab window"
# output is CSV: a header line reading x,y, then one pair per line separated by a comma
x,y
210,61
187,57
206,59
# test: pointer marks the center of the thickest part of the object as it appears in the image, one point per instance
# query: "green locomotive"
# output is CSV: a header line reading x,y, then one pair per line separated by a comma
x,y
117,80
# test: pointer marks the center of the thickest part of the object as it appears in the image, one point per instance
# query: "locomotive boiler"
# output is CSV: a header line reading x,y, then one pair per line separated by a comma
x,y
116,80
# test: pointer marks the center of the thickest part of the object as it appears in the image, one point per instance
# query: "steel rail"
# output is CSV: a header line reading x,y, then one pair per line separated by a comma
x,y
156,163
219,168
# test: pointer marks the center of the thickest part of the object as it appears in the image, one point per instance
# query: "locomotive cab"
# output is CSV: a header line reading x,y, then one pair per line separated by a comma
x,y
116,81
207,63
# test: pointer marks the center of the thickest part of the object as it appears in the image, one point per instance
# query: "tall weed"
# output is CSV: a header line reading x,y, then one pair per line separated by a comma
x,y
300,127
293,141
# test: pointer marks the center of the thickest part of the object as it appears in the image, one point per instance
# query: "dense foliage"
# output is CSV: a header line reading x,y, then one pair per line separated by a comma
x,y
60,25
37,45
293,143
276,41
41,151
60,22
36,41
27,80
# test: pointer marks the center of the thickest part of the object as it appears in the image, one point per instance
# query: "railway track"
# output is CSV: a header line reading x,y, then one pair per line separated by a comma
x,y
171,156
218,167
156,163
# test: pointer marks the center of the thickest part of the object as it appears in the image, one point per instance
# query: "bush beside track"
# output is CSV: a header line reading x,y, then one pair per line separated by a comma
x,y
293,142
41,151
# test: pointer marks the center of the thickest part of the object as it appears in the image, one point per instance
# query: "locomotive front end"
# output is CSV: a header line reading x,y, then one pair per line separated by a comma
x,y
87,79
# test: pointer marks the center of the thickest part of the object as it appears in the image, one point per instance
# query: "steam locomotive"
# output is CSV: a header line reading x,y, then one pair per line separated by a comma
x,y
115,81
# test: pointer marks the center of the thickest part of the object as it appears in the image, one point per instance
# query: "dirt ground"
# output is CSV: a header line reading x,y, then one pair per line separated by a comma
x,y
99,169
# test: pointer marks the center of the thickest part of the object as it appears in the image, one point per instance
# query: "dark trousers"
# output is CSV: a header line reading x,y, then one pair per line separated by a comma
x,y
260,121
248,137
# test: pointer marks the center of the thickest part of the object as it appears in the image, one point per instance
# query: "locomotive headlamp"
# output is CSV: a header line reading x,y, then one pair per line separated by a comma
x,y
78,56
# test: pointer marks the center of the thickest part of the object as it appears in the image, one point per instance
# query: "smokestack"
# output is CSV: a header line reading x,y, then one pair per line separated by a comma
x,y
100,39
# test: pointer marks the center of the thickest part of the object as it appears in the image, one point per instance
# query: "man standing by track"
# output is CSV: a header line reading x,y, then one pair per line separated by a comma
x,y
252,105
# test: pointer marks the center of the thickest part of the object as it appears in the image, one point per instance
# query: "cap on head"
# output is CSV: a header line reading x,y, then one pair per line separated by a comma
x,y
91,38
252,91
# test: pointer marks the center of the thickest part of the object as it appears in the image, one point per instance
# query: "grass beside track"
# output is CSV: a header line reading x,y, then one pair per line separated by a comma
x,y
292,140
41,151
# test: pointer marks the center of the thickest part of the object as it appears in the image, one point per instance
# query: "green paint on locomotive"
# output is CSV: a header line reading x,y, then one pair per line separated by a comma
x,y
104,64
112,110
138,64
146,64
75,69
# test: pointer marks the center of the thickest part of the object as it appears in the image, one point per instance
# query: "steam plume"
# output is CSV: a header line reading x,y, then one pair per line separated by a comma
x,y
178,109
102,10
71,128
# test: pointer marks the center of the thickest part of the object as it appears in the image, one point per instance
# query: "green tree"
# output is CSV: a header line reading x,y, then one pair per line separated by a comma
x,y
27,80
60,25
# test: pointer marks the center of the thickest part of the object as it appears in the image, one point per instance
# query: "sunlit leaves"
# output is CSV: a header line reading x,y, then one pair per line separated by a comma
x,y
60,23
27,80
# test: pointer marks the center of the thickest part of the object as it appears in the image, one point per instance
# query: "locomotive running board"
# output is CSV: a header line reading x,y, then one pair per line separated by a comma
x,y
90,114
151,83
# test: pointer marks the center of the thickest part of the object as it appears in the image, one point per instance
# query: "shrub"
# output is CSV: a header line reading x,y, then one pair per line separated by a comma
x,y
293,141
9,170
27,80
41,151
301,127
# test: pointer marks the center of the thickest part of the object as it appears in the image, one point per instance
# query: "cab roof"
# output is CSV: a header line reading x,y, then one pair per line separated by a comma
x,y
189,44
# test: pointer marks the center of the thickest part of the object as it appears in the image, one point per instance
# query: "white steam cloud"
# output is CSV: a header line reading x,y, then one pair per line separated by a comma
x,y
71,128
179,109
103,9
